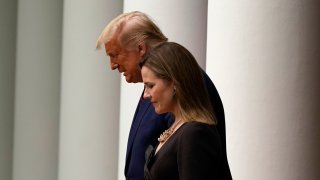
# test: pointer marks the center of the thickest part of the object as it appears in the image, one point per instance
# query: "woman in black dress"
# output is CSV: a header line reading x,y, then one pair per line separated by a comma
x,y
191,147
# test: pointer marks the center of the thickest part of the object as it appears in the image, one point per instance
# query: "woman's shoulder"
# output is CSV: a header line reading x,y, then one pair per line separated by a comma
x,y
196,126
198,129
197,136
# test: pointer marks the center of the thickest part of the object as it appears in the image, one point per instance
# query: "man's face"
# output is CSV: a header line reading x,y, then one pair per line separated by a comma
x,y
127,62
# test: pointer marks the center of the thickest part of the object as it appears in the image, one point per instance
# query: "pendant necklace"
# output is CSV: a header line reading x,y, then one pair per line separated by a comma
x,y
167,133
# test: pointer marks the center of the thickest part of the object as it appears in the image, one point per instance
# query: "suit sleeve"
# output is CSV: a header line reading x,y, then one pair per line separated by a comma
x,y
199,153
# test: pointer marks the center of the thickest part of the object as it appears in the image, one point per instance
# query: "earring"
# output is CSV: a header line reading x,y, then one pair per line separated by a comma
x,y
174,92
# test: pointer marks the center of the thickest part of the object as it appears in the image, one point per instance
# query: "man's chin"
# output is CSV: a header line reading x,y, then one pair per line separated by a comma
x,y
131,80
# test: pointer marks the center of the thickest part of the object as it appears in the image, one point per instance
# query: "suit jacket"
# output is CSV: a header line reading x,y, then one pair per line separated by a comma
x,y
147,126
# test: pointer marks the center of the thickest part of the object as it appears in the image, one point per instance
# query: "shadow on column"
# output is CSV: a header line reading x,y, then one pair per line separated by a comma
x,y
310,68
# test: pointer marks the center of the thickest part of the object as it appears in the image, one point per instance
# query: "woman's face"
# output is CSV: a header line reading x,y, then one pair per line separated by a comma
x,y
159,91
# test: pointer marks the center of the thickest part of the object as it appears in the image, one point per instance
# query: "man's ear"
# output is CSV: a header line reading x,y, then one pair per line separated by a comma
x,y
142,49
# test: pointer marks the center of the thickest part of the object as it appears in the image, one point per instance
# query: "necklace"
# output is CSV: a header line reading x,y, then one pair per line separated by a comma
x,y
167,133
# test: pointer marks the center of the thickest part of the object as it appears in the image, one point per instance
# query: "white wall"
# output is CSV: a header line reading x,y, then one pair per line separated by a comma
x,y
264,58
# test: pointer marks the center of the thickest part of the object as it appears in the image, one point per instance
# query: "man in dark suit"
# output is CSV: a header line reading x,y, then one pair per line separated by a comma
x,y
126,40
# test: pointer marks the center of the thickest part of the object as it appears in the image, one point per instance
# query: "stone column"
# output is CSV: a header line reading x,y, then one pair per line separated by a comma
x,y
265,57
89,95
37,86
8,21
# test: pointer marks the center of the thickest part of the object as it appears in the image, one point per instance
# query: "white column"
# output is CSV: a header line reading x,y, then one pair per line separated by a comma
x,y
89,95
8,15
181,21
37,90
265,56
